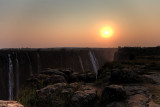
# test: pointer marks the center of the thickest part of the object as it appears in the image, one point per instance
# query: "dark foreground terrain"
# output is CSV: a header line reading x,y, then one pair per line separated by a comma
x,y
132,80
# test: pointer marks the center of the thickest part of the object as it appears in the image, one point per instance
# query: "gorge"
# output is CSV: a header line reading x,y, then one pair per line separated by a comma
x,y
17,65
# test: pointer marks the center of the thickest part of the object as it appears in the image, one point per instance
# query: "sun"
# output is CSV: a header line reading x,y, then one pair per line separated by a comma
x,y
106,32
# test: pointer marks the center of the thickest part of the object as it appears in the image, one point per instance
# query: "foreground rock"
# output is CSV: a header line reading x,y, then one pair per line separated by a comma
x,y
10,104
63,88
72,95
113,93
84,98
135,96
50,90
155,77
86,77
124,77
138,96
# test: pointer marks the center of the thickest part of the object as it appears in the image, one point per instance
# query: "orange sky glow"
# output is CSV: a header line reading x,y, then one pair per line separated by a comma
x,y
60,23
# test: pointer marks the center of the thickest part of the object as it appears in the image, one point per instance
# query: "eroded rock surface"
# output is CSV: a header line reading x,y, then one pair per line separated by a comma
x,y
50,89
113,93
84,97
124,76
10,104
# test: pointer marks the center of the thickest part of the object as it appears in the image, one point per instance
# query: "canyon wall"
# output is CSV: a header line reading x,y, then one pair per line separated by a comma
x,y
17,65
130,53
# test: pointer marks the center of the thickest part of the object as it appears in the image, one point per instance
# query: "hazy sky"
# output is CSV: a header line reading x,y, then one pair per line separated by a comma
x,y
77,23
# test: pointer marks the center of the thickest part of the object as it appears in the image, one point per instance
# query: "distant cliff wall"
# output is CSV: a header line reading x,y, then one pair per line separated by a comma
x,y
129,53
16,65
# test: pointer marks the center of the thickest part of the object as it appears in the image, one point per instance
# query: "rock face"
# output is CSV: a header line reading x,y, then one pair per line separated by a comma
x,y
138,96
10,104
58,88
113,93
47,77
129,53
84,98
74,94
124,77
155,77
127,96
87,77
50,89
53,76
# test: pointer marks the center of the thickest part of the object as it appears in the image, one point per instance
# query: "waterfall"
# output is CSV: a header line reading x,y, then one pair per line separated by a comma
x,y
80,60
30,65
94,63
10,79
95,60
17,74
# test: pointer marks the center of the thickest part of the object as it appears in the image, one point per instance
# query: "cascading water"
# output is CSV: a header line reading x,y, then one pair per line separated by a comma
x,y
10,77
93,60
80,60
30,65
17,74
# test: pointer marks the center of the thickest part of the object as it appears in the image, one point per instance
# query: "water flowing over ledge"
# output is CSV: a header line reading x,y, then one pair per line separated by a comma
x,y
17,65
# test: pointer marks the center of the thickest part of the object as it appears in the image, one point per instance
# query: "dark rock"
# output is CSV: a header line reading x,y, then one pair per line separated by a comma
x,y
154,78
84,98
55,79
50,89
54,72
85,77
10,104
134,89
74,77
91,77
124,77
138,96
82,77
138,100
67,72
67,91
117,104
42,80
113,93
75,85
36,80
86,87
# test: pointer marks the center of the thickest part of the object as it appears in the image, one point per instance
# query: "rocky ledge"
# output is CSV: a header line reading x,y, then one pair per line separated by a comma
x,y
114,87
10,104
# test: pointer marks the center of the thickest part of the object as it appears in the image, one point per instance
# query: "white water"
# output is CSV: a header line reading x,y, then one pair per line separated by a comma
x,y
80,60
94,63
10,77
17,75
30,65
95,60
